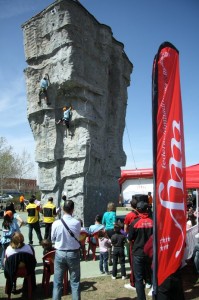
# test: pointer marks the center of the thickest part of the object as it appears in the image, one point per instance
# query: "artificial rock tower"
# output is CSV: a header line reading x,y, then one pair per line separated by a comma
x,y
88,69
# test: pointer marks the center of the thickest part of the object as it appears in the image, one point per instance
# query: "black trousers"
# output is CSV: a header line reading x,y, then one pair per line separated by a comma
x,y
171,288
22,206
118,254
47,234
37,229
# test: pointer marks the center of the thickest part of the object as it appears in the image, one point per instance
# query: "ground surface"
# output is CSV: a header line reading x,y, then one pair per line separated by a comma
x,y
104,288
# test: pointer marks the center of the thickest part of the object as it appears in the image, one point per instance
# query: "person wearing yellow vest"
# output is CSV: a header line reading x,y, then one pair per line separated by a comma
x,y
49,213
33,220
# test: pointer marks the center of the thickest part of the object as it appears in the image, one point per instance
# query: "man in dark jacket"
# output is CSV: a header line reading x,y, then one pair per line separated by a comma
x,y
140,231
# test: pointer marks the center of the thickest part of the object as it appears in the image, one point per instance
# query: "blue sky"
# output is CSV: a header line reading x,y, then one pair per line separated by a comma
x,y
141,26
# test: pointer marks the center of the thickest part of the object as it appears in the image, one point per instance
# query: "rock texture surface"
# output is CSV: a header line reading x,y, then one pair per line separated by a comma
x,y
88,69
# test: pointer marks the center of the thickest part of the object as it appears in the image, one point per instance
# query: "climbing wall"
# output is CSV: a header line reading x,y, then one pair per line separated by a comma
x,y
89,70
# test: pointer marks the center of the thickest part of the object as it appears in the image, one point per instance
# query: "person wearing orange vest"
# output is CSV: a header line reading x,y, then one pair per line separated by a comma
x,y
49,213
21,199
33,220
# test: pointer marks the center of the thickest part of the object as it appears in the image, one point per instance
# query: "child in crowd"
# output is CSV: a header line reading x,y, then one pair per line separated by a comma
x,y
95,228
118,241
47,246
82,239
104,245
83,229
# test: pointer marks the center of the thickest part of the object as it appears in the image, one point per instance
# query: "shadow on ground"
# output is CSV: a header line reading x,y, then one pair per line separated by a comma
x,y
104,288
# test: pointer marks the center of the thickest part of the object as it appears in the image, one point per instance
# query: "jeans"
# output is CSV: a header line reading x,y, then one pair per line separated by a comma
x,y
118,252
196,258
139,273
37,229
103,262
3,250
67,260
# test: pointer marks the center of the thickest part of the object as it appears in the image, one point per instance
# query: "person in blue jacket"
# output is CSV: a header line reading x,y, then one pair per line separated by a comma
x,y
67,115
44,84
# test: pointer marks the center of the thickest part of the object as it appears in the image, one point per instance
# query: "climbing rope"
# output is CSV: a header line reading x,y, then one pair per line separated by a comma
x,y
130,146
85,178
140,180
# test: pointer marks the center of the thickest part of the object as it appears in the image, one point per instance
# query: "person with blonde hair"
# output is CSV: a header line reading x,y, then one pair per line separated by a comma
x,y
108,220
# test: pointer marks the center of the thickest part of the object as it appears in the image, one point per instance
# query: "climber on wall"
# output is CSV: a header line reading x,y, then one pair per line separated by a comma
x,y
44,84
67,115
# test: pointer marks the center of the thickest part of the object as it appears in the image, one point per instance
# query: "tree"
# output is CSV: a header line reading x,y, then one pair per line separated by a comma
x,y
13,165
8,166
25,167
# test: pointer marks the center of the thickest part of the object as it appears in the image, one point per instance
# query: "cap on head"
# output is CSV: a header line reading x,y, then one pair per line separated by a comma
x,y
142,206
141,197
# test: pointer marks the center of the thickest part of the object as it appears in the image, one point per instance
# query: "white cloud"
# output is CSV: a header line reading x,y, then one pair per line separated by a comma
x,y
14,125
13,103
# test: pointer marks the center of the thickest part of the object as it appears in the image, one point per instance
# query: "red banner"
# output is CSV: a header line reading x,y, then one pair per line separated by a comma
x,y
168,164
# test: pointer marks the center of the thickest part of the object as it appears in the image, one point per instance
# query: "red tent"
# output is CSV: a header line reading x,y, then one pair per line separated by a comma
x,y
133,174
192,175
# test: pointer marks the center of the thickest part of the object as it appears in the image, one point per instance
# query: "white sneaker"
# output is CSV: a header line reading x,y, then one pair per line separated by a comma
x,y
124,277
113,277
129,287
150,293
147,285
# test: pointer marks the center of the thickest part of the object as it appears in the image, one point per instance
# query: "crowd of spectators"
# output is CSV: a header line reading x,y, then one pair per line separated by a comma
x,y
117,242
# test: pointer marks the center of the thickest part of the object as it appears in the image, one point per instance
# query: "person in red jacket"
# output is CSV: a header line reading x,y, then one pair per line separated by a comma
x,y
131,216
140,231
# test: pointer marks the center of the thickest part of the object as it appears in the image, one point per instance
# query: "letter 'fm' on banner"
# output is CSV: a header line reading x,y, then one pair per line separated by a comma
x,y
169,199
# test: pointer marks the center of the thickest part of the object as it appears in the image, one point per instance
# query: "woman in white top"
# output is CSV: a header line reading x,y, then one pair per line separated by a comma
x,y
17,245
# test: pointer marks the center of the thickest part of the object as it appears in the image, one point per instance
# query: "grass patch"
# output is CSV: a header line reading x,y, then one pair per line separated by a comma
x,y
104,288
